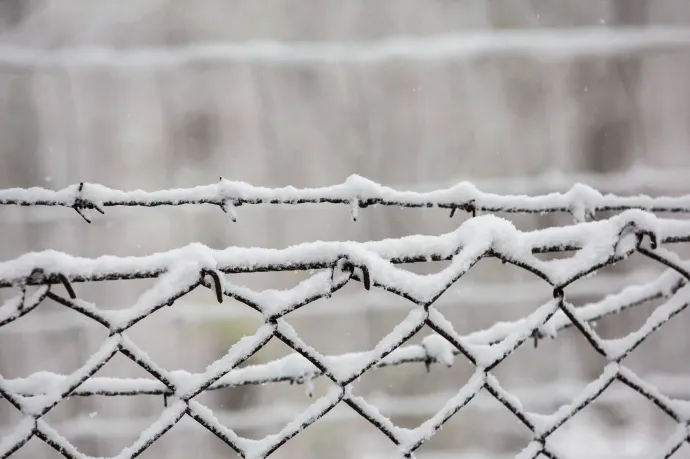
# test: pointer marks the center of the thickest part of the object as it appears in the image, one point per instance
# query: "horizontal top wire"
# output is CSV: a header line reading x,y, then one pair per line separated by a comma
x,y
485,235
357,192
544,44
637,177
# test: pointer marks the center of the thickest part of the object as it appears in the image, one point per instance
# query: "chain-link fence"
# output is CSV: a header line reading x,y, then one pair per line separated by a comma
x,y
588,246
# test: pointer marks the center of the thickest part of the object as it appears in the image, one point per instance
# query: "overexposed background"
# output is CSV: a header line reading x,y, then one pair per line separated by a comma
x,y
154,113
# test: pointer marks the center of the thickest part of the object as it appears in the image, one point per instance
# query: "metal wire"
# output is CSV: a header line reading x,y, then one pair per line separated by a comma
x,y
638,177
356,192
542,397
602,243
470,294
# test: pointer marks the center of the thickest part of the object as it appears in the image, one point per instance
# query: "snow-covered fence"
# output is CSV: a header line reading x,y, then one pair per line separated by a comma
x,y
357,192
635,231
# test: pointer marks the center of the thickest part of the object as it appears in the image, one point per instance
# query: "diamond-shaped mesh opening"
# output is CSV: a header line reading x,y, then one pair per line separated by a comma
x,y
188,434
9,416
36,448
620,421
393,395
342,433
76,418
568,356
397,384
504,436
373,314
121,365
682,452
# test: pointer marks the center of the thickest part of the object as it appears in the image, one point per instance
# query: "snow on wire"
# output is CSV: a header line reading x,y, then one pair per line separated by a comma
x,y
356,192
374,264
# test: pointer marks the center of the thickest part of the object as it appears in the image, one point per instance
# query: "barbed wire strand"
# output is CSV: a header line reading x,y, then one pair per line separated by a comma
x,y
598,244
542,44
356,192
635,178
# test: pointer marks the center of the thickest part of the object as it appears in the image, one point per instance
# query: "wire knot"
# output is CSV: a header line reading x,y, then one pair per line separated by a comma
x,y
467,207
80,204
216,283
347,266
653,241
38,276
632,228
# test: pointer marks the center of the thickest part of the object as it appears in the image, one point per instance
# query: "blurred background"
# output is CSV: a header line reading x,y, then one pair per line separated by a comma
x,y
156,111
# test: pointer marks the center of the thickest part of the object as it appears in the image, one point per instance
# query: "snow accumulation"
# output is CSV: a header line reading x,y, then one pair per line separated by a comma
x,y
596,241
178,271
297,368
269,416
540,397
355,191
468,294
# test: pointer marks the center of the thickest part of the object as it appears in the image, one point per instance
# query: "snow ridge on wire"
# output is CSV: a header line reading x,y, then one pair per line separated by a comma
x,y
356,192
544,44
596,244
637,177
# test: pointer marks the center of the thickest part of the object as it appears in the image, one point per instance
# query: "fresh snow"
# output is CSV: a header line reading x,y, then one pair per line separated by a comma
x,y
467,294
296,367
581,200
597,241
179,271
540,397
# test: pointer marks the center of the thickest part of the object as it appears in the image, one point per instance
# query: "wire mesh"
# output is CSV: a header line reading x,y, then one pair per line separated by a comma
x,y
374,264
